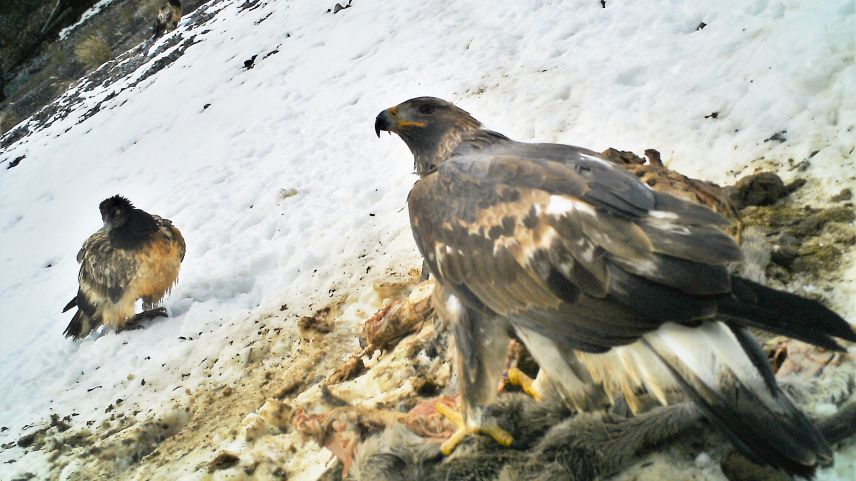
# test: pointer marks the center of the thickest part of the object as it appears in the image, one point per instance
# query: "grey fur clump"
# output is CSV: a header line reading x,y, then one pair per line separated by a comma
x,y
550,444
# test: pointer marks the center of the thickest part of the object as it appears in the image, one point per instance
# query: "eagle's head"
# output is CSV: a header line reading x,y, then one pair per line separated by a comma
x,y
115,211
431,127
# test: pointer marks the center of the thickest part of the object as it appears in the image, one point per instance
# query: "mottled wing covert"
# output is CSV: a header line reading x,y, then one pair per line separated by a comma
x,y
105,271
563,243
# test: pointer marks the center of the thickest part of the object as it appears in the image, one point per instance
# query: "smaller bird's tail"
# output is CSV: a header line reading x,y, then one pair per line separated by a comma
x,y
158,29
80,325
71,303
754,305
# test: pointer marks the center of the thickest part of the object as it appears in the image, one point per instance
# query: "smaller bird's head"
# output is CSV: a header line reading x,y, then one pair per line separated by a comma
x,y
115,211
430,127
174,3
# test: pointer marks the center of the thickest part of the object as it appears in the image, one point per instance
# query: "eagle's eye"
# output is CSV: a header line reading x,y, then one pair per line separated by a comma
x,y
426,109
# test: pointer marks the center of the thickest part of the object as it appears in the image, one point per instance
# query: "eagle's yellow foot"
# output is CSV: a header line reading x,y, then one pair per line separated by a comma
x,y
519,378
499,435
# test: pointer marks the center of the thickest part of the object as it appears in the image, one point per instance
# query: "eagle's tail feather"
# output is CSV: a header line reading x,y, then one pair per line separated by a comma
x,y
80,325
739,394
71,303
783,313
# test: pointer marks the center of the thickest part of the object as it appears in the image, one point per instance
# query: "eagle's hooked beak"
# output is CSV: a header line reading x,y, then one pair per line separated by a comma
x,y
386,120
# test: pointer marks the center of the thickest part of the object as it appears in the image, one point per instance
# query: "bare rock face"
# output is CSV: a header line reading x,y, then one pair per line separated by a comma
x,y
28,29
25,24
37,66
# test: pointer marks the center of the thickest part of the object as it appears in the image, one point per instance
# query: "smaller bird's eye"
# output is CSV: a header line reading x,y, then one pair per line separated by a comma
x,y
426,109
117,212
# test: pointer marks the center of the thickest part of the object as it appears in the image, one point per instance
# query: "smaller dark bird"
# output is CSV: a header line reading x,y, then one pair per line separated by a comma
x,y
135,255
168,18
250,62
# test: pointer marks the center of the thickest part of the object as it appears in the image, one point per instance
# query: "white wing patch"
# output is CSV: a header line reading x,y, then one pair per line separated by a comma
x,y
560,205
663,214
598,160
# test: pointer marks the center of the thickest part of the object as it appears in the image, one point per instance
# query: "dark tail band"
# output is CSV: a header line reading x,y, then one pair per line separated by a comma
x,y
779,312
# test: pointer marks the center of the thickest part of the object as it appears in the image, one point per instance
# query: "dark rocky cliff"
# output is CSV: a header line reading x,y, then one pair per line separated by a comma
x,y
37,65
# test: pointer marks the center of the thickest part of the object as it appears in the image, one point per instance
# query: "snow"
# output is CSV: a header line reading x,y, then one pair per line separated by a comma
x,y
91,12
634,75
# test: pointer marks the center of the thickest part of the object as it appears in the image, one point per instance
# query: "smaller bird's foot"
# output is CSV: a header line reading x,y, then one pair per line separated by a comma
x,y
519,378
492,429
136,321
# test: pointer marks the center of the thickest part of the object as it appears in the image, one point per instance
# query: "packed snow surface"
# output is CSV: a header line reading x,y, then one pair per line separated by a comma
x,y
220,149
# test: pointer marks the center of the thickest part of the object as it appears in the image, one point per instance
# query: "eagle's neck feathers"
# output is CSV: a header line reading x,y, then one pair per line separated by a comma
x,y
430,155
426,161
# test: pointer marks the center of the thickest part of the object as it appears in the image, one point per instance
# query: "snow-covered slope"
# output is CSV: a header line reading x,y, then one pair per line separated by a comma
x,y
220,149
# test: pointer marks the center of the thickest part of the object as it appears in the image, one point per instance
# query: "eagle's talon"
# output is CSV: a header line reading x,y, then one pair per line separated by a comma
x,y
492,429
519,378
450,444
453,416
501,436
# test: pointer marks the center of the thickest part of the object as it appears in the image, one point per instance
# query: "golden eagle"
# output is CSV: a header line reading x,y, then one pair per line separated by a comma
x,y
606,281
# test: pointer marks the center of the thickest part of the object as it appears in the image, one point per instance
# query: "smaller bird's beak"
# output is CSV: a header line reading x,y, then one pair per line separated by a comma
x,y
386,120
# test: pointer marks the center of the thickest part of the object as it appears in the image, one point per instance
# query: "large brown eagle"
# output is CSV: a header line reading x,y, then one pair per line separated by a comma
x,y
135,255
607,282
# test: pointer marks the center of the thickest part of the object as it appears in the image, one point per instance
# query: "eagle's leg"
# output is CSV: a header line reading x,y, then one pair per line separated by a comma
x,y
134,322
527,384
488,427
480,348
